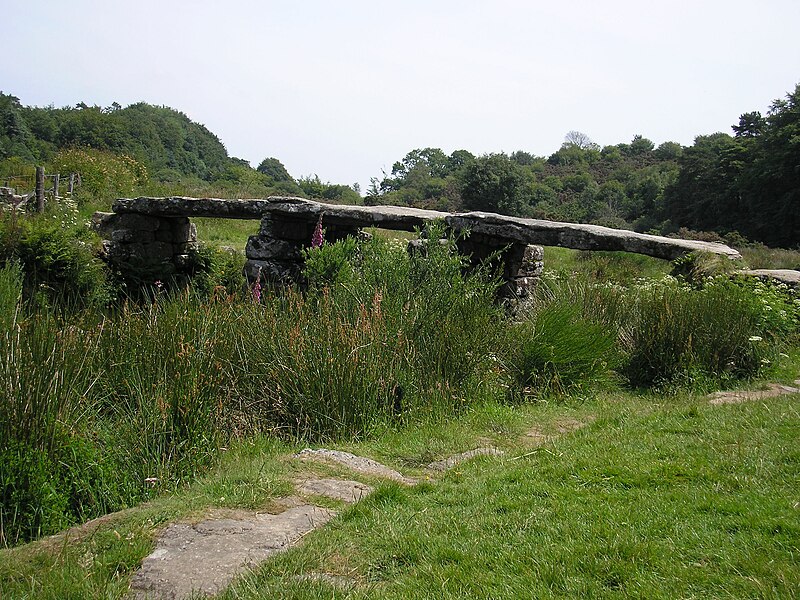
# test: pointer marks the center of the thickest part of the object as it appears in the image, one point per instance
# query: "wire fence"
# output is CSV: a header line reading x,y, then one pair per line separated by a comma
x,y
39,185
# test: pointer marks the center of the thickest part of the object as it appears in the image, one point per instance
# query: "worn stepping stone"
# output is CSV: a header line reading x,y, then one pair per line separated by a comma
x,y
345,490
447,463
737,397
204,558
360,464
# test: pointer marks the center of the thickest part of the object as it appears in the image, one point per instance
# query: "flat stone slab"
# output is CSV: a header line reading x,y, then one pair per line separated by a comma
x,y
737,397
788,276
580,236
182,206
452,461
404,218
536,436
337,489
498,227
360,464
204,558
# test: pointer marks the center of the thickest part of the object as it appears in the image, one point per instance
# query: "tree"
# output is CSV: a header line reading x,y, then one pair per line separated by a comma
x,y
750,125
523,158
704,196
668,151
580,140
639,146
494,183
15,136
274,169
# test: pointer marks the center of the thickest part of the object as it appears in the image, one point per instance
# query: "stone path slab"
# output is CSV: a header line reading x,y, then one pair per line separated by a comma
x,y
737,397
204,558
359,464
337,489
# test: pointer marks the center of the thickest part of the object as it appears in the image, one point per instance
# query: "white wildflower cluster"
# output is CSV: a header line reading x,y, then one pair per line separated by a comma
x,y
66,212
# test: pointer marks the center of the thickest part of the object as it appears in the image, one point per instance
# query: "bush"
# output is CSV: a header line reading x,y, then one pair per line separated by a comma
x,y
58,262
684,336
103,175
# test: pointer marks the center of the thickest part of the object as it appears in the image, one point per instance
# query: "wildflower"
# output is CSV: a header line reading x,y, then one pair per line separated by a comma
x,y
755,338
257,287
158,283
317,239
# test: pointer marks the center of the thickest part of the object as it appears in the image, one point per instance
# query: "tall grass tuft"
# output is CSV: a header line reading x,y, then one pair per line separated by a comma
x,y
687,336
561,348
45,378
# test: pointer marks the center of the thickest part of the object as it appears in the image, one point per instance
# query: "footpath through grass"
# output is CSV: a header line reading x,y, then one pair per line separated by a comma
x,y
652,498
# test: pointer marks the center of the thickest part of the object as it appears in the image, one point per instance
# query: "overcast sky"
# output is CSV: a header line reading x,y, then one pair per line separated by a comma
x,y
344,89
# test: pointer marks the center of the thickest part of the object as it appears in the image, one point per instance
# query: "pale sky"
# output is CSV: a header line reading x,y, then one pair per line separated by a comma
x,y
344,89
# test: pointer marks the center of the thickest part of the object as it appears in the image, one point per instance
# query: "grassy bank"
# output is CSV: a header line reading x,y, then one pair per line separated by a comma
x,y
652,497
121,402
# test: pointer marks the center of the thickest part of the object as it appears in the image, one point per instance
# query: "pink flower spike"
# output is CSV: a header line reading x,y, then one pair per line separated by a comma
x,y
257,287
317,240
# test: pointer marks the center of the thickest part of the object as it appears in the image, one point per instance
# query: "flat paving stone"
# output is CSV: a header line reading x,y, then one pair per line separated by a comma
x,y
360,464
345,490
204,558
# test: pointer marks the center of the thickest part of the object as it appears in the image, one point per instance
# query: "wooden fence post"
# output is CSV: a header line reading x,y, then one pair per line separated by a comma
x,y
71,183
56,180
39,189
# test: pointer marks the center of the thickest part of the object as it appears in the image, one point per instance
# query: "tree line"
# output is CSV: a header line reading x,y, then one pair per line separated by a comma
x,y
141,144
747,183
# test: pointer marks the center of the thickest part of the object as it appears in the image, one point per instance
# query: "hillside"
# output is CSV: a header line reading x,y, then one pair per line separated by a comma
x,y
178,154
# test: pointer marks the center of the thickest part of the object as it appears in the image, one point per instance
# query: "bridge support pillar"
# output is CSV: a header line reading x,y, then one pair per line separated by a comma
x,y
153,248
522,264
274,255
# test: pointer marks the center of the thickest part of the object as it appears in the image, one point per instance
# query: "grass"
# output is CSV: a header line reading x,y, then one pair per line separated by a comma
x,y
232,233
679,500
407,360
653,498
758,256
604,266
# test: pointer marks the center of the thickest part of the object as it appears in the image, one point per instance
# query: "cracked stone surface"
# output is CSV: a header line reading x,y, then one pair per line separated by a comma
x,y
359,464
512,229
337,489
452,461
204,558
790,277
737,397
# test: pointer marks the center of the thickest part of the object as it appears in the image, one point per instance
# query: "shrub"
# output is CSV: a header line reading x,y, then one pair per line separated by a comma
x,y
58,262
689,336
213,269
103,175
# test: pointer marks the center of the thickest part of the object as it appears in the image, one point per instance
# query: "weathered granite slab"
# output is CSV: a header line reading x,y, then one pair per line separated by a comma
x,y
788,276
404,218
202,559
181,206
580,236
486,225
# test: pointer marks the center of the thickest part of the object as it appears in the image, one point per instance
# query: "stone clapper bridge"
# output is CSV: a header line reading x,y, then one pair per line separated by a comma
x,y
155,236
